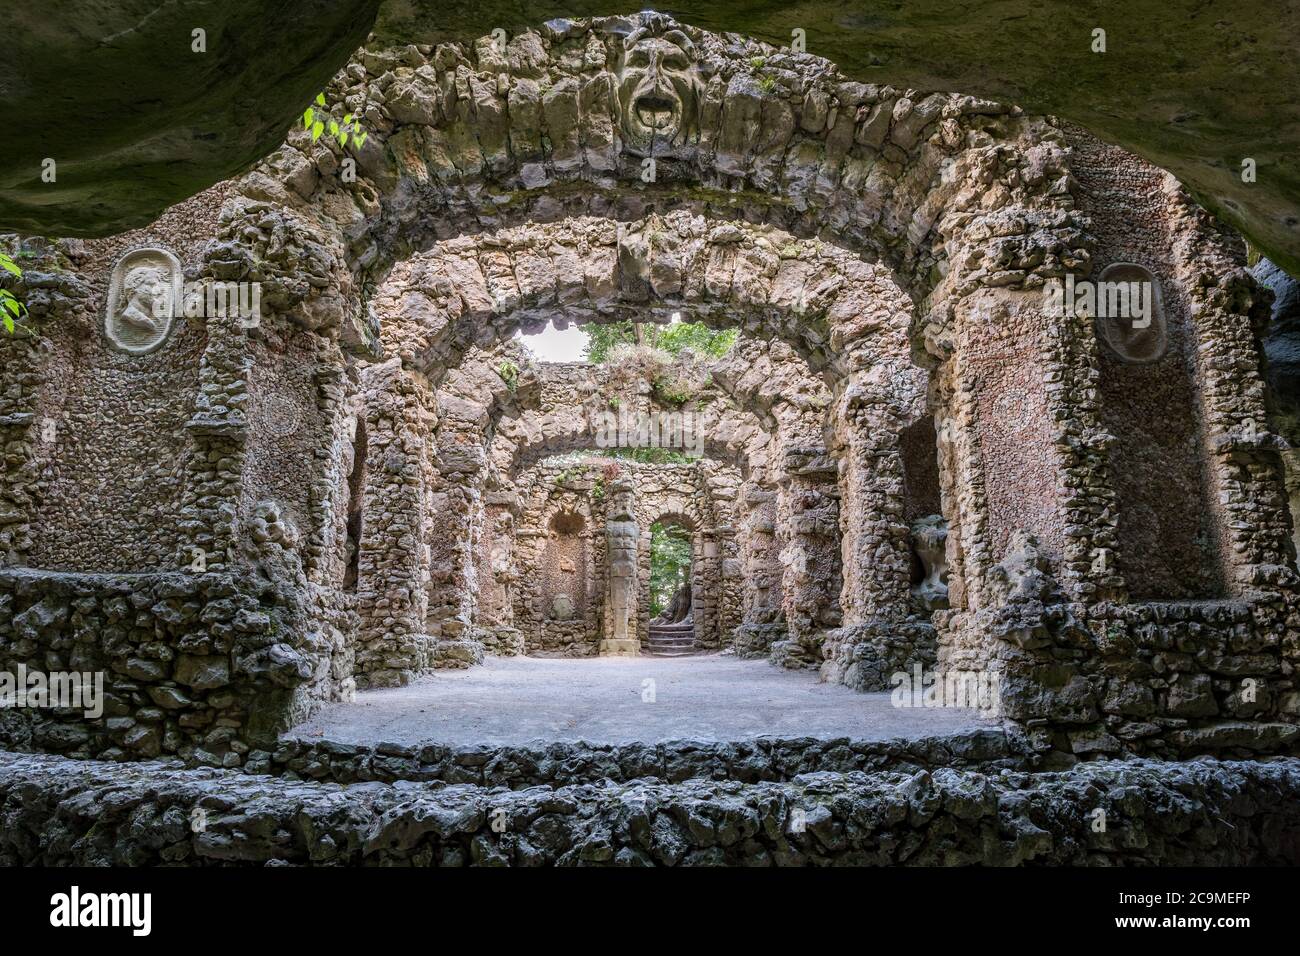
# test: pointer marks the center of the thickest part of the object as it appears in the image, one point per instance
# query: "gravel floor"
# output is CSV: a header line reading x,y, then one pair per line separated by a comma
x,y
524,700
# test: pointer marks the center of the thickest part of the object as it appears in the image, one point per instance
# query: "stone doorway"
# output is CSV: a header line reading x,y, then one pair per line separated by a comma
x,y
673,583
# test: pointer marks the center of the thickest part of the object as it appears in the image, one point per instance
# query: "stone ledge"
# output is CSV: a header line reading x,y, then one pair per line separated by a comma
x,y
776,759
63,812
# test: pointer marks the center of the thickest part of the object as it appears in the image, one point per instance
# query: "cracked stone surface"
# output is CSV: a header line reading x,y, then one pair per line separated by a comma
x,y
598,700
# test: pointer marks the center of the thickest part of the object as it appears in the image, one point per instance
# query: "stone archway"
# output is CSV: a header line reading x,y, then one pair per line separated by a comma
x,y
840,314
685,629
941,198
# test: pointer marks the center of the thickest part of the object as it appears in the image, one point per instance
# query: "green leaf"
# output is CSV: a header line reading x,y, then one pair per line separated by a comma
x,y
9,325
308,115
347,118
334,128
359,138
317,130
8,264
343,138
320,98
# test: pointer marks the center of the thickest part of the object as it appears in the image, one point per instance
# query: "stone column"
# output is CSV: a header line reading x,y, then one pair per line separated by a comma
x,y
455,519
497,574
392,602
809,507
730,583
761,612
881,634
706,570
20,436
621,541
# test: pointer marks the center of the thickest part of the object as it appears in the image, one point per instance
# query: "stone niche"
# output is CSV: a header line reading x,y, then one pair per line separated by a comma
x,y
564,567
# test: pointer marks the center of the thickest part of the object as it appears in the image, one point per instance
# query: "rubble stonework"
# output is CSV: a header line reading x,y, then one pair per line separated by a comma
x,y
1194,814
239,520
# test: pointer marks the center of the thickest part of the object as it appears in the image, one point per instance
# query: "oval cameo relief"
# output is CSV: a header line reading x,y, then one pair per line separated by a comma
x,y
144,297
1131,314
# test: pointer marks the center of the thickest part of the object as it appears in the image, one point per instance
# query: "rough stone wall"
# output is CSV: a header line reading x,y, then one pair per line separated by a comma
x,y
201,666
1199,813
172,512
558,764
1167,520
83,403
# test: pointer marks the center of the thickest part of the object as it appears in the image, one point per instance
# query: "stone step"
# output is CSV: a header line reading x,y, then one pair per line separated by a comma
x,y
671,640
563,763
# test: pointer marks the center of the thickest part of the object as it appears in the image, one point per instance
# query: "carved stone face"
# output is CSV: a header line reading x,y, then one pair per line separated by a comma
x,y
143,294
658,91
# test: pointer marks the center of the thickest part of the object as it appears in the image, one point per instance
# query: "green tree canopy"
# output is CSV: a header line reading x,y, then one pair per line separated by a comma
x,y
673,339
670,563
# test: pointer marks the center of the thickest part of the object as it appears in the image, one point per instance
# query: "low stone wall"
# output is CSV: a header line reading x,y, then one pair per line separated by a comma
x,y
203,666
1171,680
564,764
550,638
59,812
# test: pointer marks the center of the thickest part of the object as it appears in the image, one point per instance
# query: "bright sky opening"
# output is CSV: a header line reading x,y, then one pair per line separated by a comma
x,y
552,345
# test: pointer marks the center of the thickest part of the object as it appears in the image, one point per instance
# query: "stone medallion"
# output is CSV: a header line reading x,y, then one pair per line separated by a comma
x,y
143,298
1136,339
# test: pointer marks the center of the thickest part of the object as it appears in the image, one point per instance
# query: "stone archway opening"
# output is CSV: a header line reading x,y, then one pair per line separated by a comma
x,y
676,577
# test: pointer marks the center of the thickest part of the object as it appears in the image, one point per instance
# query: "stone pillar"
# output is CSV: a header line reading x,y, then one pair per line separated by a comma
x,y
621,541
877,564
392,602
20,437
810,555
706,586
730,584
455,520
762,620
881,634
497,575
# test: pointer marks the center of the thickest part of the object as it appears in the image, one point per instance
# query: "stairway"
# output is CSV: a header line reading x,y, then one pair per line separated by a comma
x,y
671,640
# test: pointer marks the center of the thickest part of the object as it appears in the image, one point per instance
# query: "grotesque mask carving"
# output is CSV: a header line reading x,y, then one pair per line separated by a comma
x,y
658,90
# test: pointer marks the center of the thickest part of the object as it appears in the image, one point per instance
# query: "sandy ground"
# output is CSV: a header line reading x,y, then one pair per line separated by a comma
x,y
606,700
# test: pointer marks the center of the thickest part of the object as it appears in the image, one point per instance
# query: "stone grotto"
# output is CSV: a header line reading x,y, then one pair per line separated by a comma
x,y
906,464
